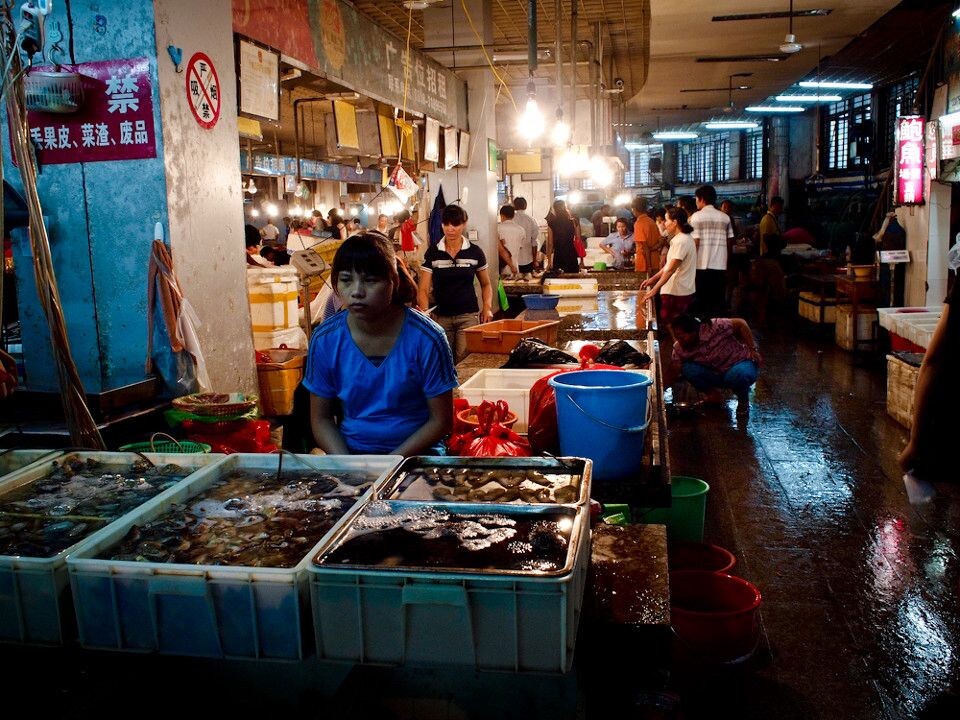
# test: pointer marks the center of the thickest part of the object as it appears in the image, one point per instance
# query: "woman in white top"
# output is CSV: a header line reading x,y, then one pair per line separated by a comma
x,y
676,281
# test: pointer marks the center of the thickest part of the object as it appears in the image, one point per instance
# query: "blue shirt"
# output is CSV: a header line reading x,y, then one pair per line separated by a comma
x,y
620,245
382,405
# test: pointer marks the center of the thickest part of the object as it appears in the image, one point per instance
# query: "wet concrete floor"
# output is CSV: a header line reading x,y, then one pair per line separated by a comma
x,y
860,615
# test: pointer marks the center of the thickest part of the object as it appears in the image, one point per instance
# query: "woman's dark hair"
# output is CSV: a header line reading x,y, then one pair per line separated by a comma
x,y
453,215
372,254
560,208
688,323
679,216
660,212
251,235
626,223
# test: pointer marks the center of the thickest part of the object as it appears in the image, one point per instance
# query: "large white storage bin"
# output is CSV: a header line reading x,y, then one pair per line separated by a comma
x,y
35,606
510,385
204,610
514,623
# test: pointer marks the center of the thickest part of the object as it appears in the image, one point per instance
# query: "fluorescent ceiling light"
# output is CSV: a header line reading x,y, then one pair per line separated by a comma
x,y
808,98
636,145
830,85
731,125
956,13
675,135
775,109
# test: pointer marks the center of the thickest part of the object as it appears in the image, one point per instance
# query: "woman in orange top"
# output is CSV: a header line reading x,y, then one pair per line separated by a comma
x,y
646,236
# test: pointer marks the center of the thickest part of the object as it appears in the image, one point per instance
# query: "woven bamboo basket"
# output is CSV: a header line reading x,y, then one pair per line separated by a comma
x,y
278,381
901,380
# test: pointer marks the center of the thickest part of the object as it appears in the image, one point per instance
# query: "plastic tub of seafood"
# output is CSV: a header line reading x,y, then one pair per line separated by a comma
x,y
14,460
218,568
49,508
498,480
494,587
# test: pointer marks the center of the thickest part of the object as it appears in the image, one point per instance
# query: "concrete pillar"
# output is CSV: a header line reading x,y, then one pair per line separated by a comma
x,y
101,214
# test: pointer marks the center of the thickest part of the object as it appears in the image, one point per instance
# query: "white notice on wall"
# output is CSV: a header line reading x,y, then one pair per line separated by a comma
x,y
259,81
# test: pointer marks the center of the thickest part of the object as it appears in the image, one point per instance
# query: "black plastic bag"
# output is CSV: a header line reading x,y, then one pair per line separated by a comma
x,y
531,352
620,353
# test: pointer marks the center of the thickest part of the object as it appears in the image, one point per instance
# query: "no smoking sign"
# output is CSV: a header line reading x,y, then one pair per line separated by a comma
x,y
203,90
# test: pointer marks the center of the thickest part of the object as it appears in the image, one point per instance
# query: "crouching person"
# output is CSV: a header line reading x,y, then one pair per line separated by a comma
x,y
713,354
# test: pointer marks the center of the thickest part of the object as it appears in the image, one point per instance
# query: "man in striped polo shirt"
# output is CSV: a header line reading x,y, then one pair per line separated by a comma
x,y
712,231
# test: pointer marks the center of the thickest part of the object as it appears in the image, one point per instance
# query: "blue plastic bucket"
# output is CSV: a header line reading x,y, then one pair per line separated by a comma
x,y
603,415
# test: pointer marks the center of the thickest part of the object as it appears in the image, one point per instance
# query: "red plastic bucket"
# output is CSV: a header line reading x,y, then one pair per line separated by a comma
x,y
714,615
685,555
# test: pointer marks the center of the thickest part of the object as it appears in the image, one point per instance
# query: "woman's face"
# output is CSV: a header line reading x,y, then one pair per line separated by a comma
x,y
364,295
670,225
622,229
687,340
453,232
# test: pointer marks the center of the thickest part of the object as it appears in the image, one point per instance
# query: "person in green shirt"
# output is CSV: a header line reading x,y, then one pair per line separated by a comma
x,y
770,241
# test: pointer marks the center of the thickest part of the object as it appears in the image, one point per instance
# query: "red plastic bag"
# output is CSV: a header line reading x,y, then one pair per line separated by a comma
x,y
542,432
490,439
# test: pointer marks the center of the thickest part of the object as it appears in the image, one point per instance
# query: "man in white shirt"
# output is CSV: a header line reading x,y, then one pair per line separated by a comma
x,y
530,227
514,249
712,231
270,234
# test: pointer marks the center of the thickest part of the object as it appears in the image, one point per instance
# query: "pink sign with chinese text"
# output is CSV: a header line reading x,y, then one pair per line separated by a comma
x,y
115,121
910,136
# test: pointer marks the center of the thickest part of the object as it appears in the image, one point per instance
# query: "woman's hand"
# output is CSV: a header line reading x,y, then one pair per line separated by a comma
x,y
755,356
486,315
649,296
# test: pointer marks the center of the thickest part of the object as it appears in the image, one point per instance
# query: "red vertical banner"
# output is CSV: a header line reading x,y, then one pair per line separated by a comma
x,y
909,166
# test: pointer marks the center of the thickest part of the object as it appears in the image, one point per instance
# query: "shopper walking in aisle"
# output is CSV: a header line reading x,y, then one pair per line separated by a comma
x,y
712,231
561,253
532,230
676,281
514,250
381,375
647,239
449,269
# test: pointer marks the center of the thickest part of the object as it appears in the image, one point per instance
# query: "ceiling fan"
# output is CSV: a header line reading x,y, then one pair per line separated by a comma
x,y
729,107
790,44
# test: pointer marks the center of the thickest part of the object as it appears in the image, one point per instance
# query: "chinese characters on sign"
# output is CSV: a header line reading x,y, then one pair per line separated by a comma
x,y
203,90
424,85
114,123
910,136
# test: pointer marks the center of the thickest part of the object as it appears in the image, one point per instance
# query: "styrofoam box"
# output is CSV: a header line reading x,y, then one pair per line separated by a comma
x,y
274,306
577,287
513,386
578,306
35,606
514,623
294,338
203,610
14,460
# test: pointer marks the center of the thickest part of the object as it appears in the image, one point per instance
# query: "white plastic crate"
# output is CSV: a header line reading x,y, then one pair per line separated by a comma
x,y
513,386
35,606
573,286
203,610
14,460
294,338
513,623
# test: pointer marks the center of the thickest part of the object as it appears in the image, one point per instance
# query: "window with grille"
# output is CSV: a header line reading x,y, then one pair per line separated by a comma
x,y
847,129
643,165
753,155
705,159
899,101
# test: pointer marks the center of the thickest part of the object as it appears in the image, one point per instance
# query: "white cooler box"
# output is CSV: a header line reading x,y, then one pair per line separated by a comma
x,y
510,385
573,286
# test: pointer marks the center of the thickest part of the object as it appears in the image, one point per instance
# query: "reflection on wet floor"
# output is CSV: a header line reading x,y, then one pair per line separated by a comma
x,y
860,610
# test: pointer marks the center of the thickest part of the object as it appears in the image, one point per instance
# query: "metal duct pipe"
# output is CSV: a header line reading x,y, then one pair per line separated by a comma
x,y
573,66
532,35
556,55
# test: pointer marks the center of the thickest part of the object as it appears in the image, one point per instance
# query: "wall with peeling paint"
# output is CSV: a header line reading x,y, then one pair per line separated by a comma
x,y
204,199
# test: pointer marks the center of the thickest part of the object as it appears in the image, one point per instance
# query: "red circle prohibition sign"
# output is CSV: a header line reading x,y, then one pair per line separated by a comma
x,y
203,90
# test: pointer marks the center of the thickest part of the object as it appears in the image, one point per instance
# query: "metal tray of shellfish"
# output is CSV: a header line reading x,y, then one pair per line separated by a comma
x,y
472,538
526,480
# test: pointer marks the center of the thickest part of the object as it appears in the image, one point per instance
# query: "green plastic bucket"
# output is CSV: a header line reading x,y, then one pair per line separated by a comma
x,y
684,518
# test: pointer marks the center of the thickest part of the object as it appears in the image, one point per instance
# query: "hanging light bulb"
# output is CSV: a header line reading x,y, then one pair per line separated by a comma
x,y
271,210
252,187
254,213
359,168
532,123
560,135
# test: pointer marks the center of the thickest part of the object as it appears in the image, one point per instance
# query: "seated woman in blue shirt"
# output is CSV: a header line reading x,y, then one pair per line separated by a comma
x,y
384,370
619,244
